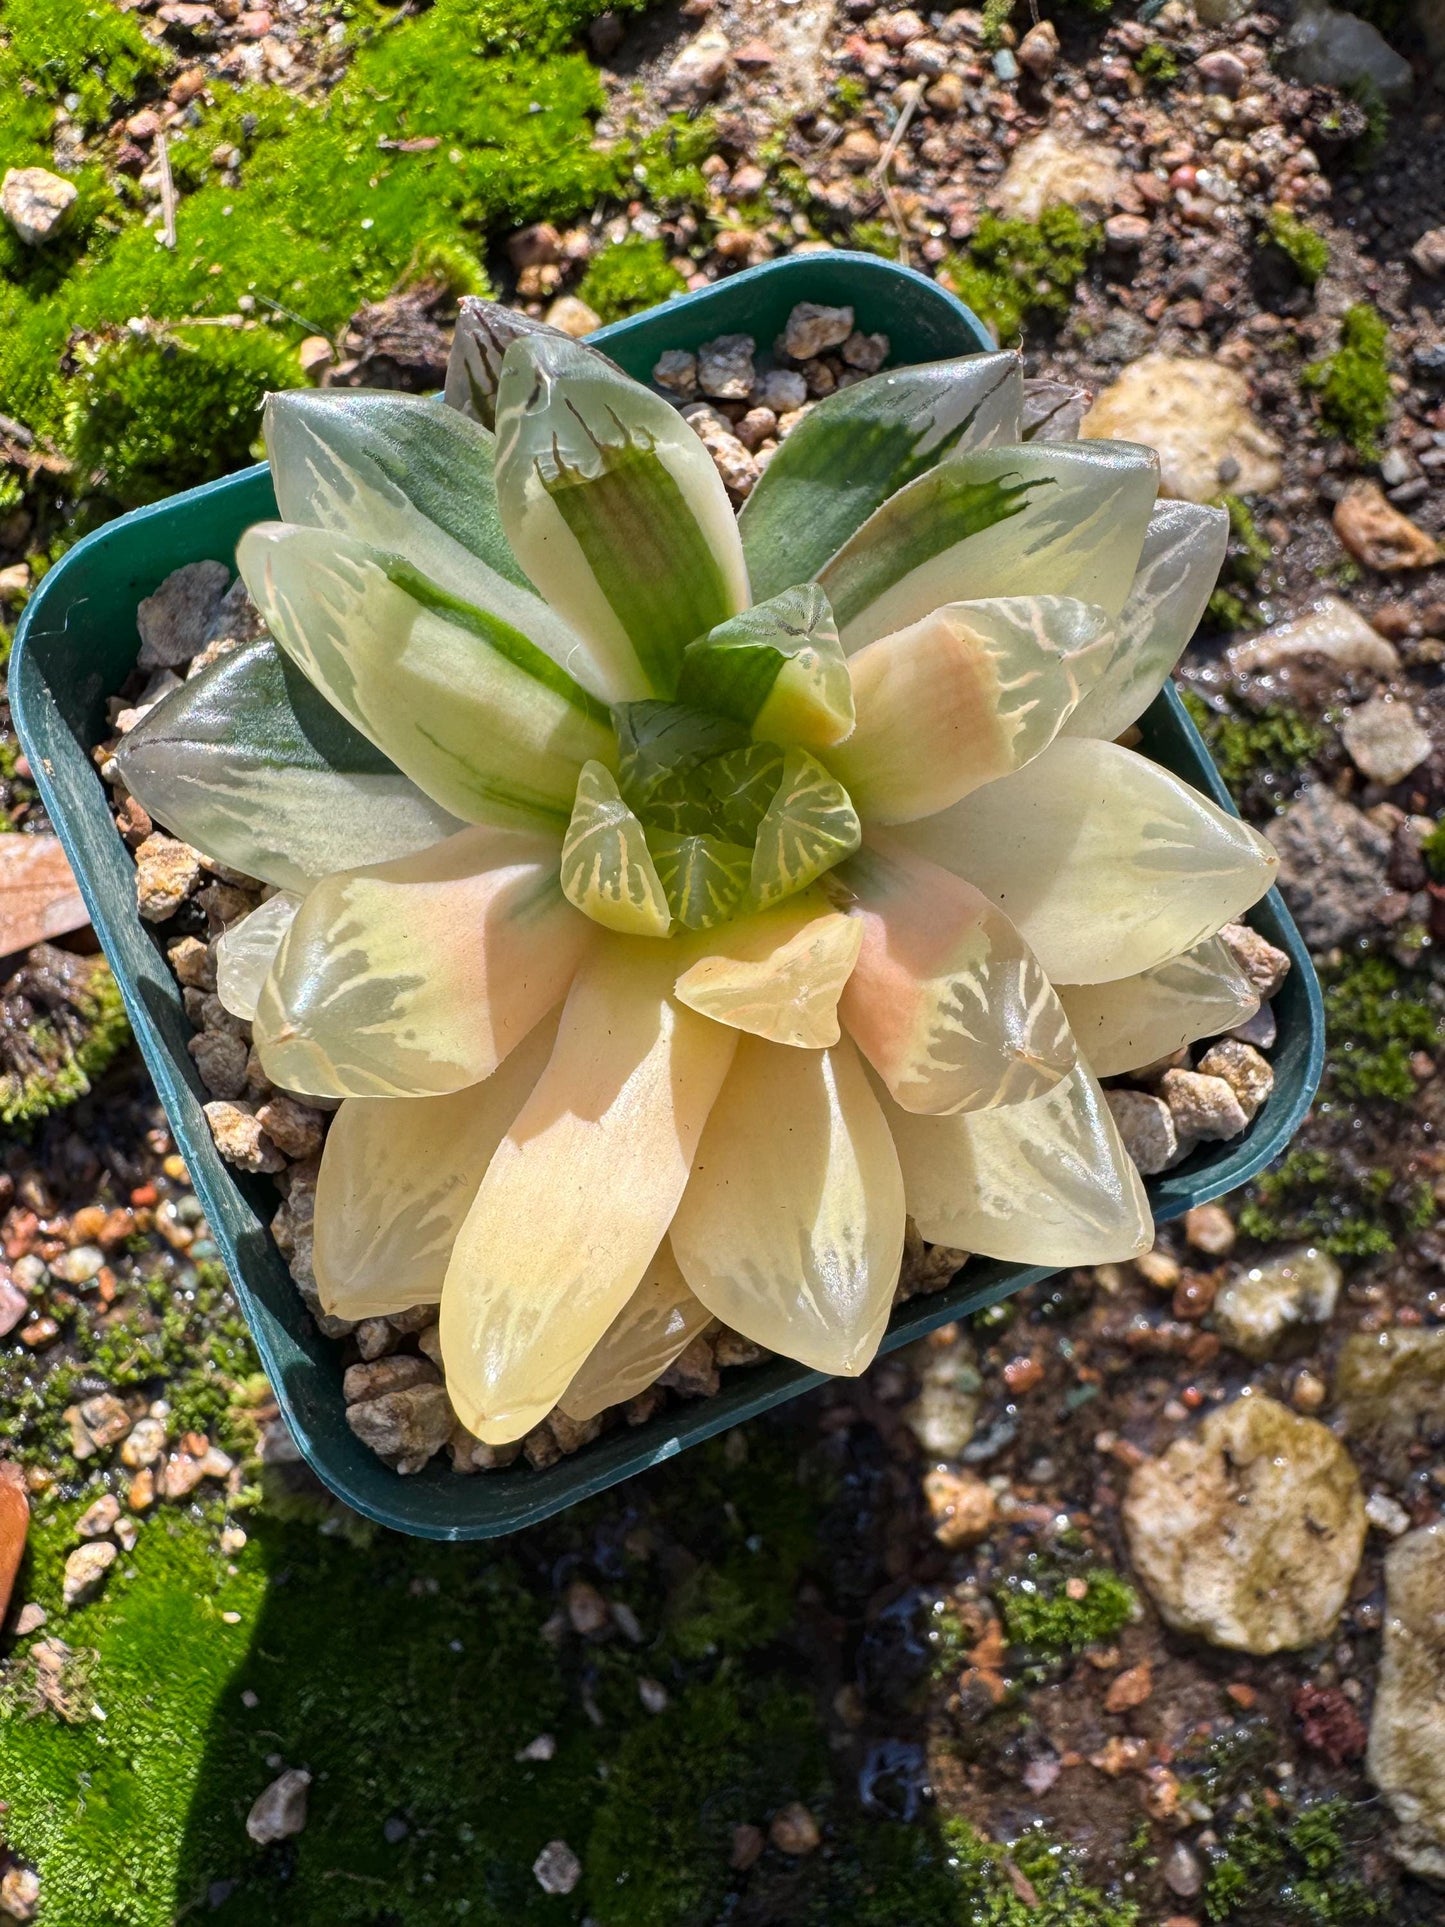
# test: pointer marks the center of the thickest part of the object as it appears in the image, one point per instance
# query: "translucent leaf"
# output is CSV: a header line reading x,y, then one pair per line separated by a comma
x,y
703,878
614,507
1107,864
778,973
742,784
484,332
471,709
607,869
808,827
947,1002
659,746
860,445
777,669
247,762
659,1320
581,1190
1051,518
247,950
966,695
1178,568
1134,1021
1052,410
1043,1183
398,1175
791,1228
415,978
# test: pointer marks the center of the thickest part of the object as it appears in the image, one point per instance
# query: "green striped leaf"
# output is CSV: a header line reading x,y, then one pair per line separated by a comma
x,y
704,878
1052,518
612,503
607,868
808,827
484,332
466,705
778,668
743,784
248,762
855,448
661,748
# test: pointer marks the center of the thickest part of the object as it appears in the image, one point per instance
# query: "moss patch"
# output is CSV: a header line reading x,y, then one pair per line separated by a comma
x,y
1304,247
1053,1613
1015,269
628,276
1297,1870
1353,384
1317,1197
1273,742
1373,1024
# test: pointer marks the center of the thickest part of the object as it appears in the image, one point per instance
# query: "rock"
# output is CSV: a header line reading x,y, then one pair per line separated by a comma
x,y
39,898
410,1425
175,622
676,371
1326,48
698,71
1131,1688
1428,253
221,1060
536,246
945,1413
1406,1756
81,1265
1386,1514
166,873
962,1506
376,1378
782,390
1249,1531
1055,167
1265,966
1210,1229
556,1868
859,150
145,1443
1222,72
314,354
98,1520
105,1419
866,353
1377,534
1201,1106
1196,413
30,1618
1390,1393
1126,232
812,329
1244,1070
14,1529
35,202
19,1893
1183,1873
1385,739
1039,50
572,316
1331,865
1331,633
240,1137
1147,1128
738,469
85,1571
794,1830
293,1127
279,1812
1257,1308
746,1847
725,367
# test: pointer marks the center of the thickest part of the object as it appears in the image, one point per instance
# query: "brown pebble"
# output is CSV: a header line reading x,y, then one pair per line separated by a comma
x,y
747,1847
587,1610
794,1830
1131,1688
1023,1374
14,1528
1210,1229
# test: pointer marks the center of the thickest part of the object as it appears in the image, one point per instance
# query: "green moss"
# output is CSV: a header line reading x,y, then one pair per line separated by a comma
x,y
1318,1197
1273,740
1373,1025
1300,1870
628,276
875,237
1157,64
1015,269
1432,849
1353,384
25,1100
1249,548
1226,610
1302,245
1041,1615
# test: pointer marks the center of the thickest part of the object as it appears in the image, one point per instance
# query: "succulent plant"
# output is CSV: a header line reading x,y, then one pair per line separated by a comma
x,y
676,899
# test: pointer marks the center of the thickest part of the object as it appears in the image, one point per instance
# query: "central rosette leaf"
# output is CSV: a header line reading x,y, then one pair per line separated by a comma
x,y
717,805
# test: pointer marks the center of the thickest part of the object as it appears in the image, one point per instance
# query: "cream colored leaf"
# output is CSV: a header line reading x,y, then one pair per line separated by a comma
x,y
1123,1026
808,827
247,950
659,1320
778,973
1107,864
581,1190
607,869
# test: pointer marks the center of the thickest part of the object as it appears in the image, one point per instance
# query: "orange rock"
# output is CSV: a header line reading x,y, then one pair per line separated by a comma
x,y
38,895
1130,1689
14,1526
1377,534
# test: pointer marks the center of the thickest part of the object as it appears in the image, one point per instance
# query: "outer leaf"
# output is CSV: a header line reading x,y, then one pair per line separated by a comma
x,y
581,1190
791,1228
469,708
857,447
484,332
703,877
247,950
248,763
399,1174
778,973
1107,864
1180,562
1125,1025
962,697
612,504
778,669
947,1002
1052,410
415,978
412,478
1044,1183
1057,518
607,869
809,826
659,1320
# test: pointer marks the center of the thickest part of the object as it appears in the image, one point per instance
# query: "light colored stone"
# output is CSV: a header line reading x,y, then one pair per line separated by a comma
x,y
293,1127
1039,50
794,1830
1057,167
738,469
1390,1392
175,621
573,316
556,1868
1385,739
1147,1128
166,873
961,1505
1201,1106
240,1138
1196,413
1377,534
39,898
1331,865
1428,253
1256,1309
221,1060
676,371
1406,1757
1249,1531
410,1425
279,1811
1330,633
811,329
1265,966
1244,1070
1210,1229
35,202
98,1520
783,390
725,367
85,1571
944,1414
20,1893
1328,48
698,71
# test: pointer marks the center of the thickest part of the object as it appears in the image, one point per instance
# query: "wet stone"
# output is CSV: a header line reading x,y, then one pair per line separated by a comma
x,y
1390,1393
1331,865
1406,1757
1256,1308
1147,1127
1385,740
86,1570
556,1868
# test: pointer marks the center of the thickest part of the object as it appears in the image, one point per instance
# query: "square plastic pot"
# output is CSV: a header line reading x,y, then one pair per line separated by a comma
x,y
76,645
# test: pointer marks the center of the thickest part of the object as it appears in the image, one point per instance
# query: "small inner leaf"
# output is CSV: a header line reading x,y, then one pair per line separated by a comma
x,y
744,783
704,878
778,668
809,826
660,744
607,869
